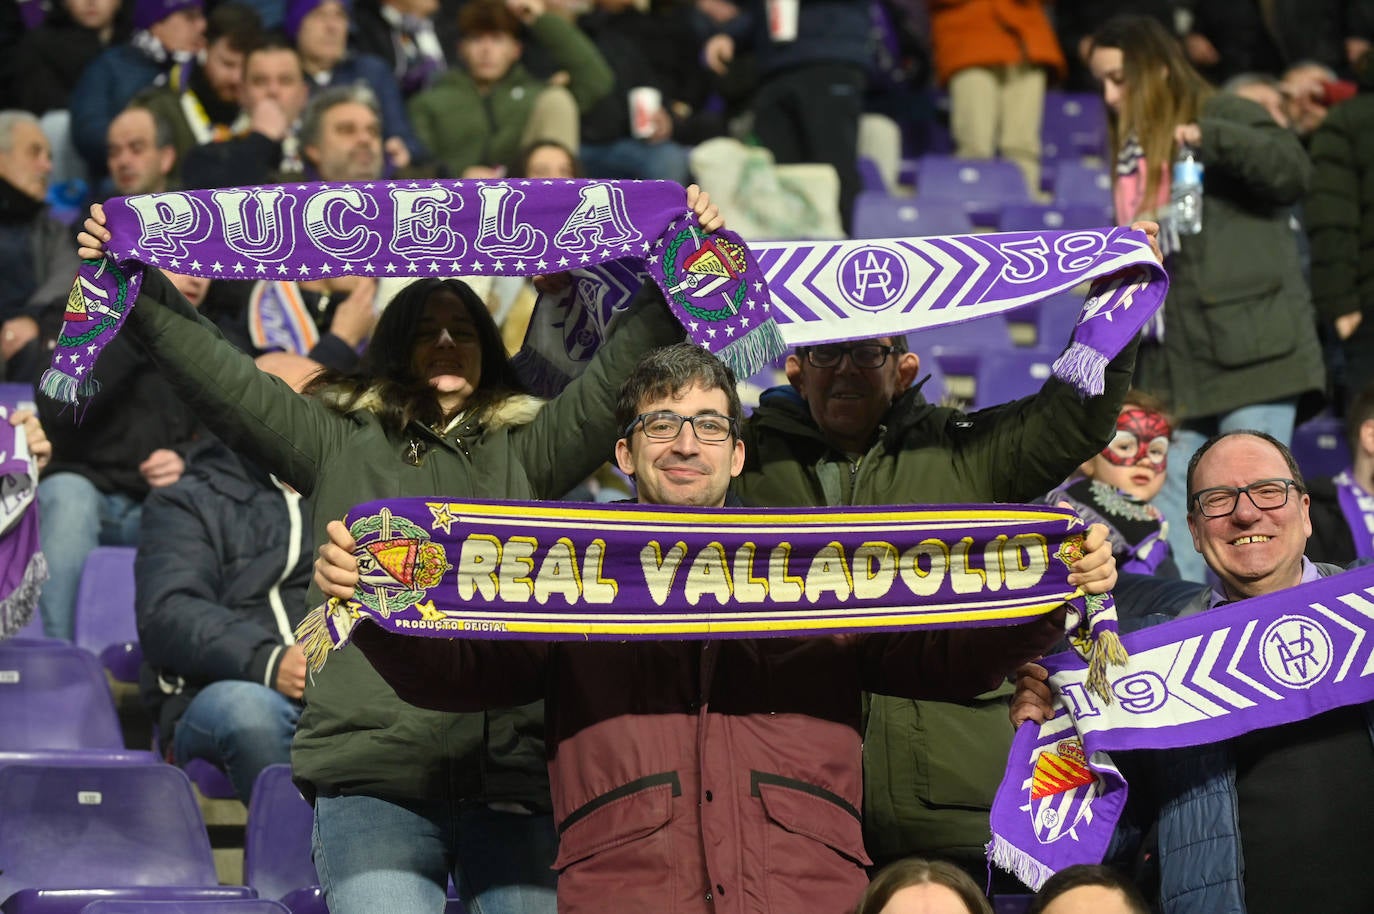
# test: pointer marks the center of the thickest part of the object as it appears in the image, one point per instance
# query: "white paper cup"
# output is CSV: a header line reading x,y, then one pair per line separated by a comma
x,y
782,19
645,103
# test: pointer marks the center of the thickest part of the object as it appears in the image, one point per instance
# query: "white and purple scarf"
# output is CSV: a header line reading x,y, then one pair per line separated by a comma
x,y
611,234
1261,662
1357,507
545,571
23,568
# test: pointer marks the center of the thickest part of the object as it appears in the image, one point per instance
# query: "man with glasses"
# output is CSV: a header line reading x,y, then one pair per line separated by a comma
x,y
696,775
1275,820
851,430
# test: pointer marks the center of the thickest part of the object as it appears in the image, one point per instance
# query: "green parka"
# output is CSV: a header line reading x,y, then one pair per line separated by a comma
x,y
355,735
931,768
463,127
1239,328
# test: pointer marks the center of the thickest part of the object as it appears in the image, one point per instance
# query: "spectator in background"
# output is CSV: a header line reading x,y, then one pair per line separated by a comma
x,y
48,61
1076,20
916,886
141,152
273,96
168,34
206,110
1339,213
1265,91
320,30
133,437
477,117
1310,89
995,57
224,559
1085,889
36,260
1238,348
812,69
403,33
640,48
1342,508
1222,38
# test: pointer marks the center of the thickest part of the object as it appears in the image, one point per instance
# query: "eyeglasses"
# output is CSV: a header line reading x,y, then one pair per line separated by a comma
x,y
863,355
1265,494
665,426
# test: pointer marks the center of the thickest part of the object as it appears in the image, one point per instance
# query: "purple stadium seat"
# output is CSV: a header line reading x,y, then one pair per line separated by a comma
x,y
69,757
70,831
1055,318
1005,376
202,906
870,177
54,695
1320,446
958,348
1074,125
104,623
1038,217
276,843
1082,185
877,215
982,186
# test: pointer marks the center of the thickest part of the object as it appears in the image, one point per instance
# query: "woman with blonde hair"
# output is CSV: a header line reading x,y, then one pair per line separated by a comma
x,y
1237,345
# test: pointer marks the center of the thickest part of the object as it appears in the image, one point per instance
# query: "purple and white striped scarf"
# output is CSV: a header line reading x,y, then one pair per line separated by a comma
x,y
610,233
544,571
1357,507
1261,662
23,568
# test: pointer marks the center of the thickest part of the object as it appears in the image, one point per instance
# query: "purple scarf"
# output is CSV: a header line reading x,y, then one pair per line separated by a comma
x,y
610,234
420,228
540,571
1357,506
22,567
1255,663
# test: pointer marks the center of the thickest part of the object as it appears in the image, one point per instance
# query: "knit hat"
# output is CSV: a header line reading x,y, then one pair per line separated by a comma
x,y
297,10
151,12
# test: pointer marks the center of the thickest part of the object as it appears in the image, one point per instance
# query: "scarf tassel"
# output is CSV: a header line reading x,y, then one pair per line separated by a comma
x,y
1083,367
1007,856
63,388
325,628
759,346
1105,648
16,609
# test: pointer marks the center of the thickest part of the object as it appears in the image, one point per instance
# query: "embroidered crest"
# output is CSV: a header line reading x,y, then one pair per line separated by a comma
x,y
399,562
712,272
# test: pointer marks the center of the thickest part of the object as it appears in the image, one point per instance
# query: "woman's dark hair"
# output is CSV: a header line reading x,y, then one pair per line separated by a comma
x,y
520,168
386,371
1083,874
916,871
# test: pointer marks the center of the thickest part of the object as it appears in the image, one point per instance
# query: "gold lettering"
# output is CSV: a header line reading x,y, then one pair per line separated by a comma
x,y
829,572
784,587
596,588
748,589
517,569
875,568
709,575
477,566
924,582
558,573
661,570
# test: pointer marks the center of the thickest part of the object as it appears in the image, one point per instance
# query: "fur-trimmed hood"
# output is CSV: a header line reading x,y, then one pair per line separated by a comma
x,y
508,412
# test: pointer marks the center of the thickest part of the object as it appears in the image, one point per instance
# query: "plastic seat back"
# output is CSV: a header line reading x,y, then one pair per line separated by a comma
x,y
54,695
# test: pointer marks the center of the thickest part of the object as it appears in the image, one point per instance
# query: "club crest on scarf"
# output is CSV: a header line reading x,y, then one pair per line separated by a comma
x,y
1061,789
705,275
398,562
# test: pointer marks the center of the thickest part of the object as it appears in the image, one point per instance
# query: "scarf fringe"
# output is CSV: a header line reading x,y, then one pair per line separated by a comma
x,y
1009,858
16,609
1083,367
756,348
325,628
1106,648
58,386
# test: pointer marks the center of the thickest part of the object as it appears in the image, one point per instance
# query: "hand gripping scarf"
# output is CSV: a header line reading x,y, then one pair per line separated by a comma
x,y
611,233
1261,662
540,571
23,568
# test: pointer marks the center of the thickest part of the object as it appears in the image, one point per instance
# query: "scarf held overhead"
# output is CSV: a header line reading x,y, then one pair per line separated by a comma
x,y
609,235
536,571
1261,662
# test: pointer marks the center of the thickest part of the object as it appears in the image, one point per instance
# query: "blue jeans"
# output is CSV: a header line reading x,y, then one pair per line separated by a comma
x,y
240,726
1276,419
632,158
74,517
376,855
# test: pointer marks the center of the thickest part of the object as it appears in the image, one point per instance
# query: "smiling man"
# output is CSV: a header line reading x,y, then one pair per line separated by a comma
x,y
1274,820
695,776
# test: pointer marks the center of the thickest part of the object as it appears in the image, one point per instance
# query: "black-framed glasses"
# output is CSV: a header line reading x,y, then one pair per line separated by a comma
x,y
1264,494
665,426
863,355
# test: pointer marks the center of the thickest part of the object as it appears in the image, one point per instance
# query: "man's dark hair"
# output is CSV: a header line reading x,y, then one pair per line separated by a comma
x,y
487,17
1282,448
1083,874
272,41
162,128
1360,411
664,371
237,23
313,119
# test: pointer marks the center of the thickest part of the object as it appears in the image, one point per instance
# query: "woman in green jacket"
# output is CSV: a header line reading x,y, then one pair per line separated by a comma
x,y
1238,343
404,797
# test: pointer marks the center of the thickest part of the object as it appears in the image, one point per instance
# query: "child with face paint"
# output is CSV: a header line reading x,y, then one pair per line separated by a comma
x,y
1116,487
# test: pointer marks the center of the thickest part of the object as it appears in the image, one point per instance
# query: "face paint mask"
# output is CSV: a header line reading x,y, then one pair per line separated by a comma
x,y
1141,435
